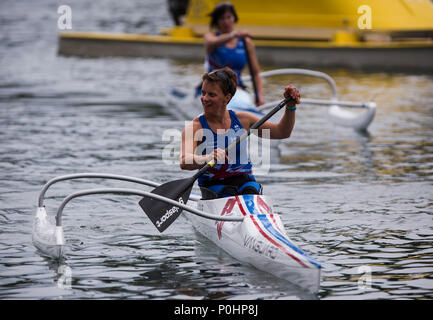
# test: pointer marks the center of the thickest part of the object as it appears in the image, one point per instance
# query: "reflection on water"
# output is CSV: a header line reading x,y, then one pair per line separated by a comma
x,y
360,203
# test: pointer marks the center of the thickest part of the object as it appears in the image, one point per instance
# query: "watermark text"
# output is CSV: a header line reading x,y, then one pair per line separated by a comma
x,y
65,20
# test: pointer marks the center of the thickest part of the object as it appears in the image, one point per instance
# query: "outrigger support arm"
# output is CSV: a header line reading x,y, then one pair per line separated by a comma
x,y
97,176
142,194
304,72
320,102
316,74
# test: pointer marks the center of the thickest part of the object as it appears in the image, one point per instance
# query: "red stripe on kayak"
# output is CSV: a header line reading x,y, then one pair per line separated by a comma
x,y
266,236
227,209
264,206
276,243
240,205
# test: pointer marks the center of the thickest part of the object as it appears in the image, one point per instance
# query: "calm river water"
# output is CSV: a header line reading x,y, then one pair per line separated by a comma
x,y
360,203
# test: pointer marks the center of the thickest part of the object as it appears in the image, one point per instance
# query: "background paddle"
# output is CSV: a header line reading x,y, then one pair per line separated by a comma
x,y
250,67
163,214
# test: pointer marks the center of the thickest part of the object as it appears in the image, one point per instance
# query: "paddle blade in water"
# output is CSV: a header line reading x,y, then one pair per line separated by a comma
x,y
161,213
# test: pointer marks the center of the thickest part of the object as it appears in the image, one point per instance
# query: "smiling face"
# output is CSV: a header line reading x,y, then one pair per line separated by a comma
x,y
212,96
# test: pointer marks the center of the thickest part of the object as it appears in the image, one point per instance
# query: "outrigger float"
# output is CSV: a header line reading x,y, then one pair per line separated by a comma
x,y
244,226
381,35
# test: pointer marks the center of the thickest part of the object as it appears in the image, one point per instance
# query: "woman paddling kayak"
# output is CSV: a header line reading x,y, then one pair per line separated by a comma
x,y
207,136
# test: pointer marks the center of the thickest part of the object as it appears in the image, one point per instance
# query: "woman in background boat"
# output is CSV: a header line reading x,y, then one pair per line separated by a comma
x,y
225,48
207,136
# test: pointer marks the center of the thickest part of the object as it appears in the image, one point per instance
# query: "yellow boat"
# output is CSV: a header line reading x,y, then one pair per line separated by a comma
x,y
384,34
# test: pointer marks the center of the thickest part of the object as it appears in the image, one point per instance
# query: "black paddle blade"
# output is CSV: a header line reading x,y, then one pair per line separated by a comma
x,y
163,214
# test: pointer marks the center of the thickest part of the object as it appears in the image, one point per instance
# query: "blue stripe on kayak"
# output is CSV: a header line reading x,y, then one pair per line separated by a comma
x,y
270,228
249,202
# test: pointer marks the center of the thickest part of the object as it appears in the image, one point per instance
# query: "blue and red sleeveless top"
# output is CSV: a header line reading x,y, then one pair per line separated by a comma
x,y
239,161
235,59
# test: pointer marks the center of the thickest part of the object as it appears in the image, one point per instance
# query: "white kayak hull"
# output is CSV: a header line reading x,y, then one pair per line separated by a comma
x,y
259,240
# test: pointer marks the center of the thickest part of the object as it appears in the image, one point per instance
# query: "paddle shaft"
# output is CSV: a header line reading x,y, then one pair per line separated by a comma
x,y
239,139
250,66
